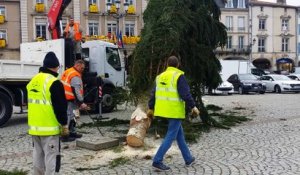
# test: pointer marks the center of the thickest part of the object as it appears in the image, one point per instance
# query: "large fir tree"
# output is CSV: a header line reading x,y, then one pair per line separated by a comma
x,y
189,29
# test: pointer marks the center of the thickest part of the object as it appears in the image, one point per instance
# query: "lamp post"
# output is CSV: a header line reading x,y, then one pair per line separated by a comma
x,y
118,15
250,56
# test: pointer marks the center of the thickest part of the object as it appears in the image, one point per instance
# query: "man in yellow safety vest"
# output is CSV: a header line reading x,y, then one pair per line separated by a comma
x,y
168,100
47,116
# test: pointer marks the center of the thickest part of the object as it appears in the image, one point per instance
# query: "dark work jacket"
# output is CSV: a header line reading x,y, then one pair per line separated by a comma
x,y
58,98
183,91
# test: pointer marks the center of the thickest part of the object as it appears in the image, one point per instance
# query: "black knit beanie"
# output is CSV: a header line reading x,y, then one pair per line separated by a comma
x,y
50,60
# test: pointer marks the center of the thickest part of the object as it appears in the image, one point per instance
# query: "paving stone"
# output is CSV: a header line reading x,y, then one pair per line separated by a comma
x,y
97,143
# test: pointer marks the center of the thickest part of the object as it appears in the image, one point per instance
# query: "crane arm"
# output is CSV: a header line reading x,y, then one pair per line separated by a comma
x,y
54,17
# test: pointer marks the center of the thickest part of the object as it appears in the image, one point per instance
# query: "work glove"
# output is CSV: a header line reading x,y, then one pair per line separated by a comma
x,y
65,130
84,106
195,112
150,113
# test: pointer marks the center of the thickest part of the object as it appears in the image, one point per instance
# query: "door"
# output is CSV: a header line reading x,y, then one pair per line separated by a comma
x,y
114,69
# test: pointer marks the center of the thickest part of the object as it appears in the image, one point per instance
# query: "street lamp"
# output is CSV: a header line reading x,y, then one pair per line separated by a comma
x,y
250,56
118,15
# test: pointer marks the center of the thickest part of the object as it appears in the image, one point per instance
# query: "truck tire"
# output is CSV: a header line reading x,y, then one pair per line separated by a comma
x,y
6,108
108,102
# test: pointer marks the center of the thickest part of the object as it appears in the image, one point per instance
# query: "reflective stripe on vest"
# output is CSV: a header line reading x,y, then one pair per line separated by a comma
x,y
41,118
66,81
43,129
77,34
168,103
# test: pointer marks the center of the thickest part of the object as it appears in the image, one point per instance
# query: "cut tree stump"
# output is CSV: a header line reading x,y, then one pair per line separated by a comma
x,y
139,125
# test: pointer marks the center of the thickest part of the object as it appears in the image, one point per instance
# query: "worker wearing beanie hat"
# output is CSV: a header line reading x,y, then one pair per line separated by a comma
x,y
51,60
47,116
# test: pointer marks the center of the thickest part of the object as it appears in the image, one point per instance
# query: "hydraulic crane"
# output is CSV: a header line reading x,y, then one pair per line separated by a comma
x,y
54,18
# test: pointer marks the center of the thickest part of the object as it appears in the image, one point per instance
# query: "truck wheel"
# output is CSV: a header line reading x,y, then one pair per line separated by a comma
x,y
6,108
108,103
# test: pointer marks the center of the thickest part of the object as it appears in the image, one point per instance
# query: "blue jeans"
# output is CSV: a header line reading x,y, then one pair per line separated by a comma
x,y
175,131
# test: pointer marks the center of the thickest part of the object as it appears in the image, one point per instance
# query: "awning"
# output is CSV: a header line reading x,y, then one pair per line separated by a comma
x,y
284,60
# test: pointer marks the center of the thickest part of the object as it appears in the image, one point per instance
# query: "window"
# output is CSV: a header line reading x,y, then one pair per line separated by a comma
x,y
298,29
111,1
261,45
3,34
130,2
229,4
241,4
40,30
241,23
229,23
285,25
2,10
241,42
129,29
284,44
112,56
229,42
112,27
92,2
93,28
40,1
298,47
262,24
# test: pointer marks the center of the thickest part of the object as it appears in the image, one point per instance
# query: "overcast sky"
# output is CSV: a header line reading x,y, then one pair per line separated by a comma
x,y
289,2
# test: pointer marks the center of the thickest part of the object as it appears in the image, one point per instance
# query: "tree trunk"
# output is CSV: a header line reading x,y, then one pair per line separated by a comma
x,y
139,125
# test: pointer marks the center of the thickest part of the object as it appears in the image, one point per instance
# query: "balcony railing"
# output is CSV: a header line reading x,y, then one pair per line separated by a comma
x,y
230,29
234,49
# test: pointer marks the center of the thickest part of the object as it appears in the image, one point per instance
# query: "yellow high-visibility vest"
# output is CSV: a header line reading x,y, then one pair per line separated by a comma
x,y
168,103
41,117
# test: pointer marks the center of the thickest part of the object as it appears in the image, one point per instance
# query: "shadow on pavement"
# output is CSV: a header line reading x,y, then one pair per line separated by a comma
x,y
16,120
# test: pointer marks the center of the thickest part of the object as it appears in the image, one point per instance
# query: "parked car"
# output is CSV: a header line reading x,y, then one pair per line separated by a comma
x,y
280,83
244,83
294,77
224,88
259,72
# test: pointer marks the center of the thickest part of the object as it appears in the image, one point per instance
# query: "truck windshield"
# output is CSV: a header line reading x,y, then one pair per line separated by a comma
x,y
113,58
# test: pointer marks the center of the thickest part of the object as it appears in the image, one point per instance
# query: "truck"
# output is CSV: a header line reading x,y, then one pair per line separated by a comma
x,y
103,62
230,67
105,68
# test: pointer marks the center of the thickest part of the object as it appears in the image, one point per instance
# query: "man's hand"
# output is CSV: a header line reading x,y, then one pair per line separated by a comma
x,y
65,130
84,106
195,112
150,113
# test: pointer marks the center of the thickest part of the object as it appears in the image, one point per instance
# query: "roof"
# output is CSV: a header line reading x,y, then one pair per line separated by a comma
x,y
270,4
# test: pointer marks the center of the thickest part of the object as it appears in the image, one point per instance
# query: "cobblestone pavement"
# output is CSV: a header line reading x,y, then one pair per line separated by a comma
x,y
269,144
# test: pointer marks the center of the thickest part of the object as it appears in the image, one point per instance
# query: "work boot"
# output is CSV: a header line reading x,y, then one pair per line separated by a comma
x,y
191,162
160,167
67,139
75,135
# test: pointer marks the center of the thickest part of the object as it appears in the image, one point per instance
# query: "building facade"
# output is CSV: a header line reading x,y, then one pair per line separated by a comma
x,y
274,25
26,21
269,40
10,29
235,16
